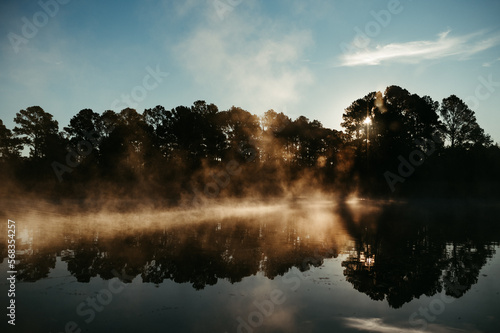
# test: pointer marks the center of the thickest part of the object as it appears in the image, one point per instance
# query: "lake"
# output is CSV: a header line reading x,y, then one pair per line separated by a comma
x,y
303,265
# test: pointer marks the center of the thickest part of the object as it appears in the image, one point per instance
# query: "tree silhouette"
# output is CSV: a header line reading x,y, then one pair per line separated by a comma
x,y
123,148
196,136
275,137
355,115
460,124
10,146
86,125
171,154
239,127
158,121
37,130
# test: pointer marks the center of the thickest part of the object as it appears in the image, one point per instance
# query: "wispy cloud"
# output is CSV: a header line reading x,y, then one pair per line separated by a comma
x,y
445,45
489,63
256,64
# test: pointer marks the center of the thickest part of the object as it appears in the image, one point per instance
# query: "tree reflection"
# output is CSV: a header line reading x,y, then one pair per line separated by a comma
x,y
463,264
396,253
35,266
415,257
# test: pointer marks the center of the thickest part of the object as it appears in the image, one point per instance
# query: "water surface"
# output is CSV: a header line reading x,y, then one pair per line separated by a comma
x,y
298,266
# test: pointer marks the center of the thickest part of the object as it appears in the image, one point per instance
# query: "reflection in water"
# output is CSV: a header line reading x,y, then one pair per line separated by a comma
x,y
414,246
377,325
392,252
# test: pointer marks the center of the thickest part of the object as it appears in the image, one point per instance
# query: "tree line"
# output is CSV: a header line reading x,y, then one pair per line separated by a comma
x,y
393,144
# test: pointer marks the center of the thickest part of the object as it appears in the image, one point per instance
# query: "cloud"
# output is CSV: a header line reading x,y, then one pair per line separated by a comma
x,y
461,47
251,61
490,63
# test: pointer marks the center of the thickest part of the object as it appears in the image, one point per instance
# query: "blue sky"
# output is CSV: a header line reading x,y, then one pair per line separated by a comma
x,y
308,57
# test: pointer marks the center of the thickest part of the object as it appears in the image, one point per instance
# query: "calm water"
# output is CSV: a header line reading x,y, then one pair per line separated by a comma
x,y
360,266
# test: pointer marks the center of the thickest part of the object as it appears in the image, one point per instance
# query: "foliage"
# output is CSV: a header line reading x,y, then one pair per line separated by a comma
x,y
165,153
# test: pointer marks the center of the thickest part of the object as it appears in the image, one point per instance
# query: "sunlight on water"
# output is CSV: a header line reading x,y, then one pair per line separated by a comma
x,y
358,265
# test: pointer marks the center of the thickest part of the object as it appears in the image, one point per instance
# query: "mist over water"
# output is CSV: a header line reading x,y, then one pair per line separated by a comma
x,y
344,259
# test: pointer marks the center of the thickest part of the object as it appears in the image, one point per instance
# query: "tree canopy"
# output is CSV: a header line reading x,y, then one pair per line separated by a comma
x,y
36,130
460,125
200,150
